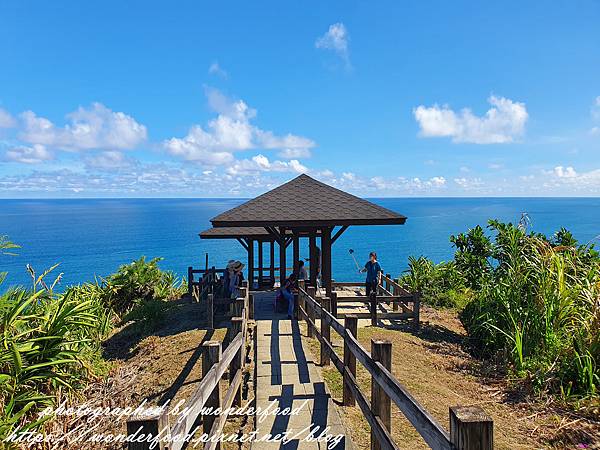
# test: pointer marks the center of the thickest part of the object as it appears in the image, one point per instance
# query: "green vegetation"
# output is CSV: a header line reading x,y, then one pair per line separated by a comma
x,y
50,342
525,299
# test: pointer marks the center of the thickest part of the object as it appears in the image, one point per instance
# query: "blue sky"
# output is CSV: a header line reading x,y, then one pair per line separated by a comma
x,y
206,99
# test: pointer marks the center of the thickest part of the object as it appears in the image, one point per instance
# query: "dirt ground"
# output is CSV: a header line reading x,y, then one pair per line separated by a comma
x,y
156,366
439,374
166,364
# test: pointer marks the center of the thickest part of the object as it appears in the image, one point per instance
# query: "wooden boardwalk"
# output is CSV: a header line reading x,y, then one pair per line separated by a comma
x,y
288,377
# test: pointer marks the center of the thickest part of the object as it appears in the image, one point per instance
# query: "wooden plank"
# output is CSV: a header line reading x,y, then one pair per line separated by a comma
x,y
210,312
431,431
218,425
381,405
417,311
152,425
237,325
351,326
383,436
325,330
380,298
210,358
387,315
198,399
471,428
349,284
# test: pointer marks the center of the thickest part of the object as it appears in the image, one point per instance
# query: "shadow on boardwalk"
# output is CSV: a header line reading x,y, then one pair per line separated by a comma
x,y
287,377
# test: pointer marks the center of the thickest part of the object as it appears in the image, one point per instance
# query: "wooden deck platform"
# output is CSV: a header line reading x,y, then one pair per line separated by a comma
x,y
288,376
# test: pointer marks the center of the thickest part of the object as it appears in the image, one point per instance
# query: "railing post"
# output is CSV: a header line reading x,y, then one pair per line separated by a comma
x,y
236,364
471,428
416,310
148,425
373,301
251,307
388,286
238,307
301,288
190,280
351,325
325,331
211,356
334,304
311,312
396,306
381,405
210,312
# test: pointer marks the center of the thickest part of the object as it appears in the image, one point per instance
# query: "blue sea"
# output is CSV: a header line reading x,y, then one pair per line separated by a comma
x,y
92,237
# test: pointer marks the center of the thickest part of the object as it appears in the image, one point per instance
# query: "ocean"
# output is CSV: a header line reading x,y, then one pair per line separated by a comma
x,y
92,237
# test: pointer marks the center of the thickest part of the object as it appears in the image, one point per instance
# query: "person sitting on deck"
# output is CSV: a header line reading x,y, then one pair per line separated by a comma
x,y
374,273
285,292
302,275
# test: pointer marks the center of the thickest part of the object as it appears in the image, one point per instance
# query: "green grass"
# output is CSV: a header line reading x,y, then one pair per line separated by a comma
x,y
524,299
50,342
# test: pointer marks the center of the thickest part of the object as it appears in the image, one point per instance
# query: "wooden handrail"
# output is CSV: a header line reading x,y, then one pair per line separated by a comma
x,y
426,425
209,381
227,403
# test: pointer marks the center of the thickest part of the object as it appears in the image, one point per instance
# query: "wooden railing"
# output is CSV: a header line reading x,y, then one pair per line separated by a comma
x,y
215,364
470,427
200,287
405,305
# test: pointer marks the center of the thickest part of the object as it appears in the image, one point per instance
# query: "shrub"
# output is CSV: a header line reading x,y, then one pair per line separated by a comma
x,y
532,301
138,282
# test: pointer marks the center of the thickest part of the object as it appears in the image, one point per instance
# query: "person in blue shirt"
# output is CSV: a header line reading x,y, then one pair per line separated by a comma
x,y
373,270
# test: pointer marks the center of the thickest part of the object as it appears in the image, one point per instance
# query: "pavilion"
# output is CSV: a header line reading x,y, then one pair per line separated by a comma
x,y
302,207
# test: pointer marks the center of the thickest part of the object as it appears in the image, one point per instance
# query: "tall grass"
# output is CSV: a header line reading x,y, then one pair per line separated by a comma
x,y
535,302
50,342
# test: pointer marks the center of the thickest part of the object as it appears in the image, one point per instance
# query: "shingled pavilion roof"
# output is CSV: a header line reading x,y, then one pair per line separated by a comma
x,y
235,232
259,233
305,201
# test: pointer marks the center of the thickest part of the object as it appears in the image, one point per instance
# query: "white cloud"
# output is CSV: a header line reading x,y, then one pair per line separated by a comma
x,y
261,163
6,120
29,155
232,131
502,123
469,183
595,111
294,153
96,127
564,172
336,39
495,166
216,69
566,178
109,160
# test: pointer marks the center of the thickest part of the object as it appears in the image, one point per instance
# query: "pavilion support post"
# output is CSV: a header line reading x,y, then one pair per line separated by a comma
x,y
282,259
272,262
260,263
296,251
312,247
250,264
326,260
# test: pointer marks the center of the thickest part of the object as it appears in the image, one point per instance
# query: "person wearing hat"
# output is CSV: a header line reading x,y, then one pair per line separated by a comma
x,y
236,276
227,276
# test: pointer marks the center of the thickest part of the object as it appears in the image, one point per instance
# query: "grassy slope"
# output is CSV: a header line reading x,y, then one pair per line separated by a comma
x,y
157,365
435,369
